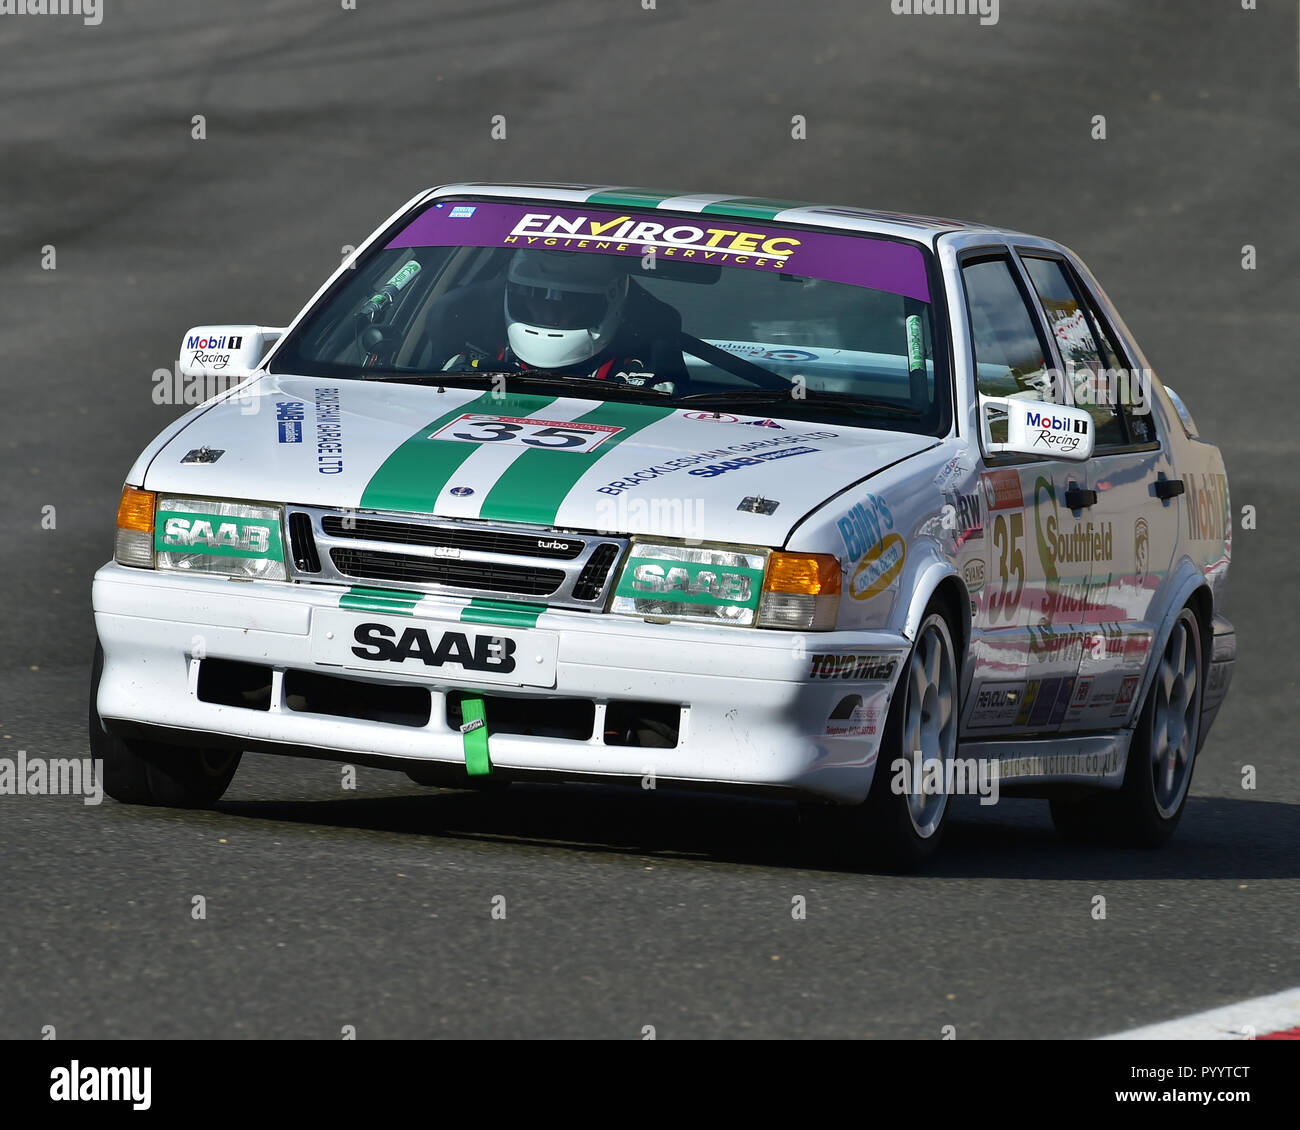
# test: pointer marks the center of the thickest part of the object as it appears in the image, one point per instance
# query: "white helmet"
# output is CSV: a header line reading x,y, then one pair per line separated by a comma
x,y
562,307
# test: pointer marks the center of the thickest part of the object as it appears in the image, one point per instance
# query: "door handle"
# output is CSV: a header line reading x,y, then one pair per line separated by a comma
x,y
1168,488
1076,498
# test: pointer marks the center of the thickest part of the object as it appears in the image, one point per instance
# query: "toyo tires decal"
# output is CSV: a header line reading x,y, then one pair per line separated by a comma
x,y
534,486
413,476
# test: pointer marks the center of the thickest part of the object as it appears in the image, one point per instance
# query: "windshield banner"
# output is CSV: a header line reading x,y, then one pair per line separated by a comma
x,y
880,264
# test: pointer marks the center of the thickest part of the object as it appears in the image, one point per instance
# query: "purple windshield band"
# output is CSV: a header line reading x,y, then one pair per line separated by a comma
x,y
880,264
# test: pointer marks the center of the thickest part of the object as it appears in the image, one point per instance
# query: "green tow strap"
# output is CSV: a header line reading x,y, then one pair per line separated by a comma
x,y
474,730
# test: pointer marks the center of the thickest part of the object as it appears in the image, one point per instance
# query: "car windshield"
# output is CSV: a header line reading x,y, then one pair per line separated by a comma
x,y
703,311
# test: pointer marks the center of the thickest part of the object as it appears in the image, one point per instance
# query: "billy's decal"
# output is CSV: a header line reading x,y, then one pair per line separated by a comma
x,y
382,643
875,555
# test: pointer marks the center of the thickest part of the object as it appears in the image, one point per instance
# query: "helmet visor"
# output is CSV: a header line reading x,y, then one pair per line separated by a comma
x,y
554,309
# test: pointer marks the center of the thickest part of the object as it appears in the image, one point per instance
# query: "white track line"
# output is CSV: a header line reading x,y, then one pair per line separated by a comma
x,y
1243,1020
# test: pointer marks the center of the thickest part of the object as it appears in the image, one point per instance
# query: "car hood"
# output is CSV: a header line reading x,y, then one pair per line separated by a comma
x,y
628,467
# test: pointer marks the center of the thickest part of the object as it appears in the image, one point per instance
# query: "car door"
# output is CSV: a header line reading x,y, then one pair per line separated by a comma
x,y
1026,635
1118,522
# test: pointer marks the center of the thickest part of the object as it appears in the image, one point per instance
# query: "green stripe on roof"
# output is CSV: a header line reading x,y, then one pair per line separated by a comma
x,y
752,207
534,486
413,476
360,598
632,197
503,613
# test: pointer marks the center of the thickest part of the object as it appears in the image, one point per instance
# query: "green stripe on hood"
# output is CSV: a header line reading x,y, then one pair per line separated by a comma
x,y
413,476
534,486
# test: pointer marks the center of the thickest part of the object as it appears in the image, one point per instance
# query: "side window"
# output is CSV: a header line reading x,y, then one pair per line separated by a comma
x,y
1089,370
1010,356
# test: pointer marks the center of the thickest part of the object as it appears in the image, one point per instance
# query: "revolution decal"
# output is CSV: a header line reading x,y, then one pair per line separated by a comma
x,y
880,264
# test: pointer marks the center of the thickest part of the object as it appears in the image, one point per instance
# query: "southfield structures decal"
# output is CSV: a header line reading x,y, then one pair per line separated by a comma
x,y
880,264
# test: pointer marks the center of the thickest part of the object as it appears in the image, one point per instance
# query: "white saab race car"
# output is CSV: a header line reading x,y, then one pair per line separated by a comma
x,y
566,482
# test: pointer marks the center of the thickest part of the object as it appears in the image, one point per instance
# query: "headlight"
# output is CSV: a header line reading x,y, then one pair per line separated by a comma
x,y
716,586
723,585
232,539
801,592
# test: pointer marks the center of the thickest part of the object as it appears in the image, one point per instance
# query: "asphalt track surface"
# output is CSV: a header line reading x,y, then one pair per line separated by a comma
x,y
373,908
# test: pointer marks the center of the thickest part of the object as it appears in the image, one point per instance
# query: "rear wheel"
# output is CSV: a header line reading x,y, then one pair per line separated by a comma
x,y
152,773
1145,811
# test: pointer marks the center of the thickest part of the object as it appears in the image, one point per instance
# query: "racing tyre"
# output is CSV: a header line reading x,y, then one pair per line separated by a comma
x,y
1145,811
905,813
149,773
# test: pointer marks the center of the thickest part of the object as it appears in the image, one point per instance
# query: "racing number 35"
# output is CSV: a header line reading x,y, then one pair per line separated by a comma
x,y
537,437
1011,560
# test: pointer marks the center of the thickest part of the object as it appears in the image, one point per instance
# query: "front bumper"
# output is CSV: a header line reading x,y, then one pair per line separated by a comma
x,y
752,715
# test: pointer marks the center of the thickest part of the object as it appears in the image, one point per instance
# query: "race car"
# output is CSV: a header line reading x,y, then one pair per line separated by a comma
x,y
565,482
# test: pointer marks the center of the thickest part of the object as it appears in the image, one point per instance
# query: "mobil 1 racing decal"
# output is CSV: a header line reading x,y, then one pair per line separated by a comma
x,y
573,436
718,460
897,268
854,666
205,347
1207,507
1071,551
874,556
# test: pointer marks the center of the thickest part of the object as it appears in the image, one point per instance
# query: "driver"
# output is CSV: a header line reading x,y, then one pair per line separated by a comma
x,y
581,314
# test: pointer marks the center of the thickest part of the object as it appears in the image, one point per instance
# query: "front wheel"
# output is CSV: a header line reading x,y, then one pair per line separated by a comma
x,y
901,823
150,773
1146,809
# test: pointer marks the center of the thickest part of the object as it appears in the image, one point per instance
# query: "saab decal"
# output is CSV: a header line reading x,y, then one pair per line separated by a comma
x,y
180,532
879,568
289,417
714,469
381,643
694,583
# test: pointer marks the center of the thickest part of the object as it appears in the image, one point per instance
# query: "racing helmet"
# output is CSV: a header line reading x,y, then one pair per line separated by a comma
x,y
562,307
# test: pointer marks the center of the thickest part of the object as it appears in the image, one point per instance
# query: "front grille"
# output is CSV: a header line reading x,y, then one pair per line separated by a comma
x,y
591,581
466,538
465,558
370,566
302,544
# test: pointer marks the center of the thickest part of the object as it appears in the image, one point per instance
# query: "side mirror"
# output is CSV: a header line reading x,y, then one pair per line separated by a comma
x,y
1035,427
231,352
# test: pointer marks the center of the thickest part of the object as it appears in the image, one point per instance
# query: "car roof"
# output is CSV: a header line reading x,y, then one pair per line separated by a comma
x,y
900,225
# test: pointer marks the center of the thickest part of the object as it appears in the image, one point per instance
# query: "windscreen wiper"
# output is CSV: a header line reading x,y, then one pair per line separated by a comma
x,y
487,376
810,395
